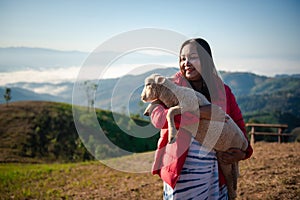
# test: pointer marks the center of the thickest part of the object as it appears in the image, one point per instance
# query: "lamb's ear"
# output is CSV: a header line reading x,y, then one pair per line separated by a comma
x,y
160,79
171,78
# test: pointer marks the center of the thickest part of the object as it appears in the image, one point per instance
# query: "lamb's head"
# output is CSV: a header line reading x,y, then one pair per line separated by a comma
x,y
152,87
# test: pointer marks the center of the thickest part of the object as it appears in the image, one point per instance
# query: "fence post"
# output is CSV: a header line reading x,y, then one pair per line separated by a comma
x,y
252,139
279,134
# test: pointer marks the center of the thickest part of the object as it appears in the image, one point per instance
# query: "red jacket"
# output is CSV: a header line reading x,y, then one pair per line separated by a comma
x,y
169,159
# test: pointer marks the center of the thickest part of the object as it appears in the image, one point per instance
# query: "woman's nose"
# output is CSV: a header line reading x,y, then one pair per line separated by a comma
x,y
186,62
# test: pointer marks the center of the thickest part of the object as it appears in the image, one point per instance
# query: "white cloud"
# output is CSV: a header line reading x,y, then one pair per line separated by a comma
x,y
50,89
260,66
53,75
57,75
133,69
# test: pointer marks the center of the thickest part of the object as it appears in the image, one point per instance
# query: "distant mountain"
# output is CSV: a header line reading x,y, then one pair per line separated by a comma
x,y
118,88
259,97
59,92
20,58
242,83
287,76
125,91
21,94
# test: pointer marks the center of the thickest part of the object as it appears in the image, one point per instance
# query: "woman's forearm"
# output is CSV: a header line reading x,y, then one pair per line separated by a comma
x,y
212,112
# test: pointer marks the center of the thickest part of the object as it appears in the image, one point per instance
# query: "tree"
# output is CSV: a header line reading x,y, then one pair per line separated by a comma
x,y
90,89
7,95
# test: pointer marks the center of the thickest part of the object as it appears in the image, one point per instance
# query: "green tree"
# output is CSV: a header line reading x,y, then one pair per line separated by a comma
x,y
7,95
90,89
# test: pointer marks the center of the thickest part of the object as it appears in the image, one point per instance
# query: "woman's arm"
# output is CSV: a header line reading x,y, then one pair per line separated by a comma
x,y
234,155
158,112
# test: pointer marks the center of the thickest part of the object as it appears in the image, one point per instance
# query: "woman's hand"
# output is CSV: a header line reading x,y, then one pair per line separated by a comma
x,y
231,156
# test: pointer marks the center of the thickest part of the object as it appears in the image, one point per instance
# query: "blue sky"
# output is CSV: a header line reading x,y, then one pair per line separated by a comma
x,y
256,36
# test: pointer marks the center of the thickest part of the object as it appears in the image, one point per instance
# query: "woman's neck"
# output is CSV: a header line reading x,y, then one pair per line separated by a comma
x,y
197,85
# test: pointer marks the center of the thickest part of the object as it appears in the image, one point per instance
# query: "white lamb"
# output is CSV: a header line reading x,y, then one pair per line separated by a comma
x,y
182,99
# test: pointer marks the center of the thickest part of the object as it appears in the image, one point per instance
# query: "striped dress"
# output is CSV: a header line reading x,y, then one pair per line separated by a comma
x,y
199,177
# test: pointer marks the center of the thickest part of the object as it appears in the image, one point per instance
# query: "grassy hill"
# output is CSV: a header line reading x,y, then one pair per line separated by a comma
x,y
276,100
45,132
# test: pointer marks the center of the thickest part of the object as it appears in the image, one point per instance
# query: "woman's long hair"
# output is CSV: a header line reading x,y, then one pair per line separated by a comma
x,y
212,86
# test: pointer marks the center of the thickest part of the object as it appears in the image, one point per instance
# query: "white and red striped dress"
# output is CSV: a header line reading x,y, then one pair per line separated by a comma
x,y
199,177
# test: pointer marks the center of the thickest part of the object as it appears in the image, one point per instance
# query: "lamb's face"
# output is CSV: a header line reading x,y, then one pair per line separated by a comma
x,y
153,84
149,92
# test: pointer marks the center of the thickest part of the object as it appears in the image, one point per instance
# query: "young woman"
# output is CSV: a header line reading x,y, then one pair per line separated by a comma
x,y
188,169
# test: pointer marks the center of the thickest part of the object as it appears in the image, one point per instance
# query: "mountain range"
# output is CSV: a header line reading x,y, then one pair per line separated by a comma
x,y
255,94
262,98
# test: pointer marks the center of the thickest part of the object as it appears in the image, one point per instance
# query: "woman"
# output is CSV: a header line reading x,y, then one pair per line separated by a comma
x,y
188,169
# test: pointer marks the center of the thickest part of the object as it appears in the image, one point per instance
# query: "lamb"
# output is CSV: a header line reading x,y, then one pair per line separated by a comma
x,y
186,99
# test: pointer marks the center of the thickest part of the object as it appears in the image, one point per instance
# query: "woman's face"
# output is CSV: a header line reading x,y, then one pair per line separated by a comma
x,y
190,62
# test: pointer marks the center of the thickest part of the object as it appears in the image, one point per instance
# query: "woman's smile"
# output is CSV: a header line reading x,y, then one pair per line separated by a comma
x,y
189,69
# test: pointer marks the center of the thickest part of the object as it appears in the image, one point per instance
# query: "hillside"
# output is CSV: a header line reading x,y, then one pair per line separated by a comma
x,y
242,83
266,99
276,100
271,173
45,132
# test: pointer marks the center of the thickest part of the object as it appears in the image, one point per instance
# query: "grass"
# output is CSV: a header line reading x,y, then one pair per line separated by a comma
x,y
86,180
33,180
271,173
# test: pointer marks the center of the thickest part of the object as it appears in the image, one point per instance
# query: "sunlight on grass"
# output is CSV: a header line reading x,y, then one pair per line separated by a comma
x,y
32,180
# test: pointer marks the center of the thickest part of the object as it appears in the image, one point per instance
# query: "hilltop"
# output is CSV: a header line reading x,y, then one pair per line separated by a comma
x,y
36,131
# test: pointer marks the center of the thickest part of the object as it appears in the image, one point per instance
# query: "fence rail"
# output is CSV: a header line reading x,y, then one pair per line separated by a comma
x,y
280,128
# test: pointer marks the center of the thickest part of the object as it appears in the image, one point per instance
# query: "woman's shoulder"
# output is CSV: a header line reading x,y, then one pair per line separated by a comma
x,y
227,89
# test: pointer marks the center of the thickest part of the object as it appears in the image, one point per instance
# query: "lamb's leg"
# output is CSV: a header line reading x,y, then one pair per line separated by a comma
x,y
227,170
236,174
171,123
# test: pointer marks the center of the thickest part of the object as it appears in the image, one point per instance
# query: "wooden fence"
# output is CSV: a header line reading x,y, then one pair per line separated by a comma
x,y
280,128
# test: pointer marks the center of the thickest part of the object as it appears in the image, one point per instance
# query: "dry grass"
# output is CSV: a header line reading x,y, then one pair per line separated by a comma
x,y
272,173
